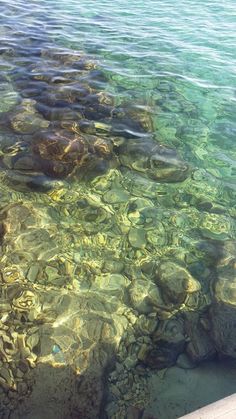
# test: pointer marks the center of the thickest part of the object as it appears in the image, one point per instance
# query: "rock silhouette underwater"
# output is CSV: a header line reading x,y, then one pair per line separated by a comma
x,y
64,125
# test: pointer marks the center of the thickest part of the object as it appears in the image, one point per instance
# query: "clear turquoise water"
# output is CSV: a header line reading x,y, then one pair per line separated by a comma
x,y
175,61
188,48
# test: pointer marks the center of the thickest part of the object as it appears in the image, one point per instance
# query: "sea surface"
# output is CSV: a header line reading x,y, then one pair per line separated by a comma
x,y
117,201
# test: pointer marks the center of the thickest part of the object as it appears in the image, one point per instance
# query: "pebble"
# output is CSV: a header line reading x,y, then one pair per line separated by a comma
x,y
130,362
142,352
137,238
77,257
19,373
4,372
115,196
32,273
113,266
119,367
52,273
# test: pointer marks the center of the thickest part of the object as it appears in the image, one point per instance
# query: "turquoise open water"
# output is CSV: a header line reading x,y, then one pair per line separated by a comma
x,y
189,47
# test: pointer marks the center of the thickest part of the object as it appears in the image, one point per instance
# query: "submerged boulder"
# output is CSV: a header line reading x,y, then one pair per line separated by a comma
x,y
223,311
168,342
24,119
153,160
175,282
199,343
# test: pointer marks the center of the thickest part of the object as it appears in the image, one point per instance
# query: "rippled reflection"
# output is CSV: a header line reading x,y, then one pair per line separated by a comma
x,y
117,214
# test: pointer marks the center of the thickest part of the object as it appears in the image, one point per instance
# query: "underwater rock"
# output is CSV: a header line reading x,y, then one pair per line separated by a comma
x,y
59,153
164,355
200,346
2,232
115,196
138,185
175,282
113,266
153,160
26,302
146,325
33,273
223,320
55,155
16,217
145,296
68,56
137,238
112,284
225,288
222,312
25,119
94,216
62,117
127,385
72,337
140,211
30,181
106,238
216,226
53,276
9,97
131,120
168,342
158,235
142,114
11,274
37,241
63,89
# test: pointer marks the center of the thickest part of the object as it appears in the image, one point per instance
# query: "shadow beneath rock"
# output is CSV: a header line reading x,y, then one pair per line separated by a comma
x,y
59,393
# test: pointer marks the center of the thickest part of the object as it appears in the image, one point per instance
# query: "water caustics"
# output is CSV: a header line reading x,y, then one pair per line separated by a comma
x,y
117,214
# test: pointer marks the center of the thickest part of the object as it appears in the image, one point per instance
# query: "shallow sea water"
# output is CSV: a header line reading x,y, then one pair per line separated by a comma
x,y
117,211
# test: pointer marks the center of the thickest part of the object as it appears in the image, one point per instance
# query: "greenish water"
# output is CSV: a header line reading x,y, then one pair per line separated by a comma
x,y
118,192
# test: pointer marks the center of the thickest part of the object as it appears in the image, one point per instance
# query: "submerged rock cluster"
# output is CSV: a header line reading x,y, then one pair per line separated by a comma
x,y
124,266
65,124
99,278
